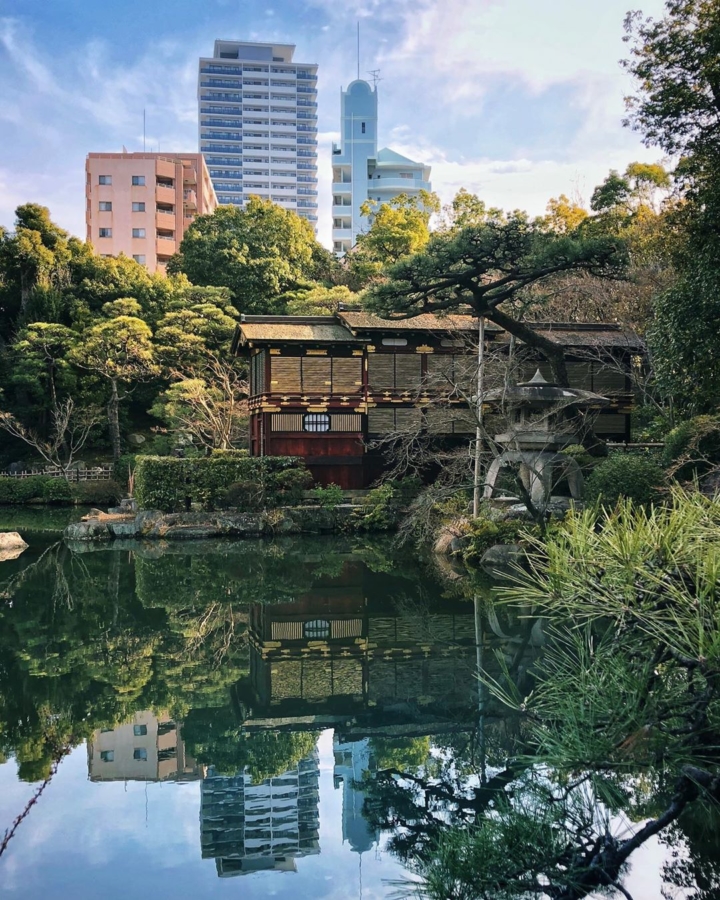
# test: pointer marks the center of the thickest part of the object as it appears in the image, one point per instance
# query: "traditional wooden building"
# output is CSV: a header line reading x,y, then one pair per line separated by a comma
x,y
327,387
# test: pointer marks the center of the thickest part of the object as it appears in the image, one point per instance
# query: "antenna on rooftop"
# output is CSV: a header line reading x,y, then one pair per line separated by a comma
x,y
358,49
143,130
375,75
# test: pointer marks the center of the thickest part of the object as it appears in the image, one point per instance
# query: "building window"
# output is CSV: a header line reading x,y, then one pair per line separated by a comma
x,y
363,128
394,342
104,232
138,232
107,755
139,258
139,730
138,207
105,206
105,179
316,422
138,180
316,630
140,753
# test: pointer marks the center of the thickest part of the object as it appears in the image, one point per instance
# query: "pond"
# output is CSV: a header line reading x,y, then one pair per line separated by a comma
x,y
293,718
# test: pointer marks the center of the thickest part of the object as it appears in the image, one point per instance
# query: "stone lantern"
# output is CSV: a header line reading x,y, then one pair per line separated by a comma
x,y
539,428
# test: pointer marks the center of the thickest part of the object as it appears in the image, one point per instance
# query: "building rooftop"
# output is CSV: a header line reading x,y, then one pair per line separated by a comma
x,y
363,321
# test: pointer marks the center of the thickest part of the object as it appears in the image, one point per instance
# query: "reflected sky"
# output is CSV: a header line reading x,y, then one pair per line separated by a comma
x,y
117,839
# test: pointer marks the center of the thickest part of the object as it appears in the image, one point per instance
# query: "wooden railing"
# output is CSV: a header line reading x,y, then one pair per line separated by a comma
x,y
95,473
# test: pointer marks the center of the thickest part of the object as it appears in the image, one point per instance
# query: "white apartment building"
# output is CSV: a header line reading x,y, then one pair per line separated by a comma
x,y
258,125
361,172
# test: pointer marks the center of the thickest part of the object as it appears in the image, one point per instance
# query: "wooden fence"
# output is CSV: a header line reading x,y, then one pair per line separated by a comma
x,y
95,473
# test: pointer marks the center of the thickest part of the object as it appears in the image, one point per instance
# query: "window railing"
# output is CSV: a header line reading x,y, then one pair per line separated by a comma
x,y
166,237
220,70
222,148
222,98
219,83
166,212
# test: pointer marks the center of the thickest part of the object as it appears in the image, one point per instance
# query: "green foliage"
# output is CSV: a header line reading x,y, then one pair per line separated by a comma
x,y
23,490
257,252
484,534
384,504
98,493
625,475
170,484
329,497
57,490
693,447
685,336
581,457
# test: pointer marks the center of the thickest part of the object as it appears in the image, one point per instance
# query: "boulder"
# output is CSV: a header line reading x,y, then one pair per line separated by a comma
x,y
93,530
135,440
11,540
502,559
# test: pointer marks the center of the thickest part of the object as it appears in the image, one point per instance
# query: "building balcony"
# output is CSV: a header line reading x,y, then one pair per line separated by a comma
x,y
164,194
342,187
342,234
343,210
407,185
165,245
190,198
164,219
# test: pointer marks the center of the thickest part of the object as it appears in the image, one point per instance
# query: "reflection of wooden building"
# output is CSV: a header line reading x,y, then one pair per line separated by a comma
x,y
324,387
346,647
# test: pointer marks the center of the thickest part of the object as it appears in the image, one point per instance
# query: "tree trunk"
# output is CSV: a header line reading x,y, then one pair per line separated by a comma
x,y
113,411
554,353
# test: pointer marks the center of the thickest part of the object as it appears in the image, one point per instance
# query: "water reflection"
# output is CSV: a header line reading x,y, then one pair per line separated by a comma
x,y
221,663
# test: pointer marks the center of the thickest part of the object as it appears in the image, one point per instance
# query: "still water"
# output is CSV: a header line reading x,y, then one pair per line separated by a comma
x,y
231,719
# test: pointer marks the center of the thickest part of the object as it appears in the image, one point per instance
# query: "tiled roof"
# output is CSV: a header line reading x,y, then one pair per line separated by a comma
x,y
362,321
296,332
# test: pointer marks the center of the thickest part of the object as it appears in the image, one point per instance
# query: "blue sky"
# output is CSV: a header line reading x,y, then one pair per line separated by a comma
x,y
516,100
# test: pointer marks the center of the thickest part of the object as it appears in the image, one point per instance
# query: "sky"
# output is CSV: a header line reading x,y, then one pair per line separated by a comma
x,y
515,100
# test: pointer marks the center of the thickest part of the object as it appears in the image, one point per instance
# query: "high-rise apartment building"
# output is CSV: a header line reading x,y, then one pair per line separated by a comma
x,y
141,204
361,172
258,125
248,827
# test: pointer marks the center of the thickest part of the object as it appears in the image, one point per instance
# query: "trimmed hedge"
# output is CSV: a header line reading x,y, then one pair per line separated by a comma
x,y
219,481
44,489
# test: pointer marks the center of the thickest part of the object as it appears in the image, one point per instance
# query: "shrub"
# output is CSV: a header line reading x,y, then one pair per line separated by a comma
x,y
230,454
329,497
384,504
581,457
22,490
693,447
57,490
97,493
484,534
170,484
625,475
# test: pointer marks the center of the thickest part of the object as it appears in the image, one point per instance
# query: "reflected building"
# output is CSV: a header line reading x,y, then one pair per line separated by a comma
x,y
248,827
352,761
345,649
148,748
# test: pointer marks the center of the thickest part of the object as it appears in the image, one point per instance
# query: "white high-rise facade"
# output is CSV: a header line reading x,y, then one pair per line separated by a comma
x,y
258,125
361,172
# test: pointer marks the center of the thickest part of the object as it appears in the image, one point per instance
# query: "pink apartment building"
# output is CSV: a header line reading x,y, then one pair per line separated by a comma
x,y
140,204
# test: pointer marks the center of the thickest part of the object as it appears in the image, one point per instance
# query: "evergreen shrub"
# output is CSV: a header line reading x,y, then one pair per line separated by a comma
x,y
23,490
693,447
484,534
98,493
219,481
625,475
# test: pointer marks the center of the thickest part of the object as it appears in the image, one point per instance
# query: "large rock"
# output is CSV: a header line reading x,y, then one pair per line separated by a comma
x,y
502,559
88,531
11,540
135,440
